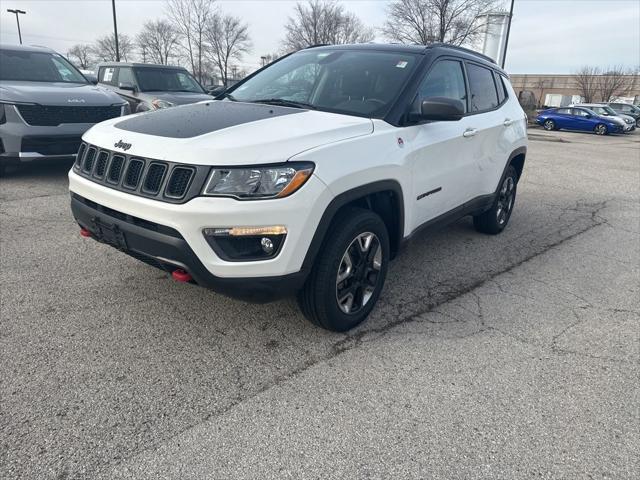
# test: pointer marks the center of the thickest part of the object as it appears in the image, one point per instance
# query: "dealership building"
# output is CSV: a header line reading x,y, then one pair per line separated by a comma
x,y
562,90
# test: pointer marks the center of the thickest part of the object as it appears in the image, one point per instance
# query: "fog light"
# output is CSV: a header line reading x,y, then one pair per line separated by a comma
x,y
237,244
267,245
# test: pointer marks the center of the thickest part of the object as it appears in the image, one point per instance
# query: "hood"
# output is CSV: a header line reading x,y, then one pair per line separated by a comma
x,y
226,133
179,98
613,119
57,93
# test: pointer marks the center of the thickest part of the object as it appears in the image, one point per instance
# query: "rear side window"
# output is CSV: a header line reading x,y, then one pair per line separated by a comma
x,y
502,88
125,75
564,111
483,89
107,75
445,79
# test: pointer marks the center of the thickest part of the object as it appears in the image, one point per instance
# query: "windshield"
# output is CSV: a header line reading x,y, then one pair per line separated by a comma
x,y
166,80
355,82
604,110
19,65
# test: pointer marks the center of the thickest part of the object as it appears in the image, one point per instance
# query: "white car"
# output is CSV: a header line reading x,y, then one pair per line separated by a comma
x,y
310,175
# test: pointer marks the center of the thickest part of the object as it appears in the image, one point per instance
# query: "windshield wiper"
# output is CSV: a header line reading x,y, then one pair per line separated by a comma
x,y
285,103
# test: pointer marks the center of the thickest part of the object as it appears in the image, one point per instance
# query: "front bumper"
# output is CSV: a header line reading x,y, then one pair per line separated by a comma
x,y
166,249
300,214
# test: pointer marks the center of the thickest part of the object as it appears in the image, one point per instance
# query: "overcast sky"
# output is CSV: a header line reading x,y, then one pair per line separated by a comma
x,y
547,36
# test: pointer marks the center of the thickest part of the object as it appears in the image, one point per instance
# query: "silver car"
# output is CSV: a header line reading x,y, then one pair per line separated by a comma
x,y
46,105
151,87
629,123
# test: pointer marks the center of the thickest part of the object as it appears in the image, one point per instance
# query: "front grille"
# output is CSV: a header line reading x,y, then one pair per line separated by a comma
x,y
51,116
87,165
179,182
101,164
154,178
66,145
134,171
160,180
115,170
80,154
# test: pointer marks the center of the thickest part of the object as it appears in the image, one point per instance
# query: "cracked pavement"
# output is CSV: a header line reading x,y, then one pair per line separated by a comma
x,y
513,356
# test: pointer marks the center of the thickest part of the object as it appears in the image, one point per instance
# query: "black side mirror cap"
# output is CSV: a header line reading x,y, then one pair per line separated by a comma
x,y
441,109
127,86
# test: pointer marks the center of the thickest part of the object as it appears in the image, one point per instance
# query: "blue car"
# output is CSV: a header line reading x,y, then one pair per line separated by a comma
x,y
574,118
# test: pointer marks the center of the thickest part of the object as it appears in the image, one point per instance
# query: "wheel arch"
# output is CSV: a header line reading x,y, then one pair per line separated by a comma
x,y
383,197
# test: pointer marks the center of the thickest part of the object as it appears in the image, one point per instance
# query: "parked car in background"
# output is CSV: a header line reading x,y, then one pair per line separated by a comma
x,y
627,109
46,105
605,110
574,118
151,87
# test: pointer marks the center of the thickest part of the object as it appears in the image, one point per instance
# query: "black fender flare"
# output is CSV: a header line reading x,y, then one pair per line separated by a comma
x,y
344,199
517,152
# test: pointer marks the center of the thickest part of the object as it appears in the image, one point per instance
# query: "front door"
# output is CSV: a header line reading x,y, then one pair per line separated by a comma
x,y
442,154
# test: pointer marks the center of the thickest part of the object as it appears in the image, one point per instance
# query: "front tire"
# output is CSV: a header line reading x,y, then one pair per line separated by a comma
x,y
601,129
494,220
347,278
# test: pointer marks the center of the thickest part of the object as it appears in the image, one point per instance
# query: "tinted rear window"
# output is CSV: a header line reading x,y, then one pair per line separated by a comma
x,y
483,89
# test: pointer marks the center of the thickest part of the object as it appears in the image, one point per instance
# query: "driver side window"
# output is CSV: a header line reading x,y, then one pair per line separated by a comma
x,y
445,79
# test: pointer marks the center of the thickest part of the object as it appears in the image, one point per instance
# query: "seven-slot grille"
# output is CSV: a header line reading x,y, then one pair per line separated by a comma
x,y
51,116
166,181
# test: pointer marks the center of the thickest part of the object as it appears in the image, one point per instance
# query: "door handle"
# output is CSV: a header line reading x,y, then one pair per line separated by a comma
x,y
469,132
507,122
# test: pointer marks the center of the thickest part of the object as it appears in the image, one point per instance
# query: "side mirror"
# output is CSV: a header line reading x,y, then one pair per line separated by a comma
x,y
441,109
588,115
127,86
92,78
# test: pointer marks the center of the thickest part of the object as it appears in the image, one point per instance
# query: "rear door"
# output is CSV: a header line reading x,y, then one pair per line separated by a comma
x,y
564,118
490,122
441,152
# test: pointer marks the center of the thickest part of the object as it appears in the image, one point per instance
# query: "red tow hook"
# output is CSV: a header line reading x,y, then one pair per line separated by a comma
x,y
85,233
180,275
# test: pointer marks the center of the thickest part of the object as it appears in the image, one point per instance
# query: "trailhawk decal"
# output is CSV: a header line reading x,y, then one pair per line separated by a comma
x,y
200,118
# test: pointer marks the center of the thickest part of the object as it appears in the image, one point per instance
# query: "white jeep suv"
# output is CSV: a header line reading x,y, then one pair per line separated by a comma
x,y
309,175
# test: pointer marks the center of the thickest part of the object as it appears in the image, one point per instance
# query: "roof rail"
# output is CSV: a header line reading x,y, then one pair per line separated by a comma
x,y
462,49
317,45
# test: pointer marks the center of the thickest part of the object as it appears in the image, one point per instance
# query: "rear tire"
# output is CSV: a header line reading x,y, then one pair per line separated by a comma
x,y
494,220
349,272
549,125
601,129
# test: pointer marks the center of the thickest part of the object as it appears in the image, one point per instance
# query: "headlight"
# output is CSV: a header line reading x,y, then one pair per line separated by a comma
x,y
270,181
158,104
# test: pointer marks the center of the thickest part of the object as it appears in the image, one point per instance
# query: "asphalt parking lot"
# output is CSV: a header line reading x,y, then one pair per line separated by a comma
x,y
514,356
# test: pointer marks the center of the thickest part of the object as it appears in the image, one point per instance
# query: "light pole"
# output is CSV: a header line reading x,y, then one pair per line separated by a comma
x,y
506,40
18,12
115,29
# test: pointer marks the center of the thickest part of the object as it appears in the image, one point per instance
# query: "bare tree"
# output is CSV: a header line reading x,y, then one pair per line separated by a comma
x,y
587,82
157,41
427,21
615,81
227,39
191,18
326,21
104,48
81,55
